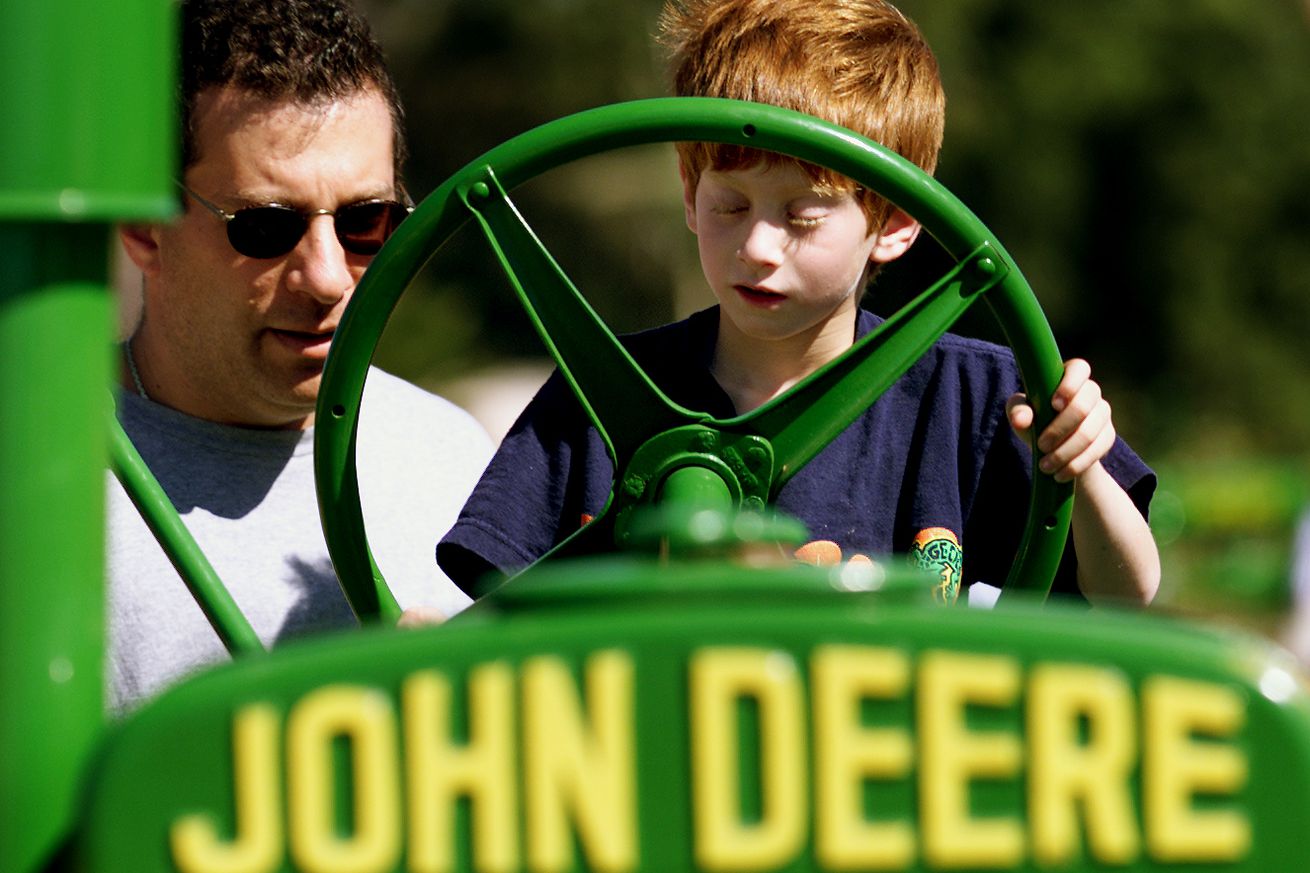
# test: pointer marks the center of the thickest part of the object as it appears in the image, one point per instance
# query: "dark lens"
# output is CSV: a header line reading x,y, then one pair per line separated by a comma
x,y
265,231
364,227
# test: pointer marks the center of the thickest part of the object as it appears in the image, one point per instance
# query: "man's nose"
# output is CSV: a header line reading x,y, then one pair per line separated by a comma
x,y
319,268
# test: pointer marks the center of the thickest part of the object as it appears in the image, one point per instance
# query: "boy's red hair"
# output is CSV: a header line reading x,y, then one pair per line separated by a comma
x,y
857,63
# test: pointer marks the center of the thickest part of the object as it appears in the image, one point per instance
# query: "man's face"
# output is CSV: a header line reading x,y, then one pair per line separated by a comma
x,y
242,340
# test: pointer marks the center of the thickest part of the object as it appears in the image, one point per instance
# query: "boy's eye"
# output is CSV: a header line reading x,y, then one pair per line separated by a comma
x,y
804,220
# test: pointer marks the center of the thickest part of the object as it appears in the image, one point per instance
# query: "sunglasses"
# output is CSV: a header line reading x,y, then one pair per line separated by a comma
x,y
272,230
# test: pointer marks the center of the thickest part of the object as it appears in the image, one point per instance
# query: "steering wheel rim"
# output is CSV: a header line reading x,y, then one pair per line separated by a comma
x,y
961,234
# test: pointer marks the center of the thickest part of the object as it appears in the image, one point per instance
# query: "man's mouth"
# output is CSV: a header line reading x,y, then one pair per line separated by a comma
x,y
311,343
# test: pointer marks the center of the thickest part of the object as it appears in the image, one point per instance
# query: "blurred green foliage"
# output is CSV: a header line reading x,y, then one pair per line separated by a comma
x,y
1226,530
1146,163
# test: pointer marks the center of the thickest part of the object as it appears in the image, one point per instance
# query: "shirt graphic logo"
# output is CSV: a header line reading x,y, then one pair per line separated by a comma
x,y
936,549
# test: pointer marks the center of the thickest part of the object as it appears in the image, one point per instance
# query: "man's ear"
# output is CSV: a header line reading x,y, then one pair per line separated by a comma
x,y
141,243
898,234
688,198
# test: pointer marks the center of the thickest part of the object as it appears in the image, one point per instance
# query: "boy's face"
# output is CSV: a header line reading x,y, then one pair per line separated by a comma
x,y
782,259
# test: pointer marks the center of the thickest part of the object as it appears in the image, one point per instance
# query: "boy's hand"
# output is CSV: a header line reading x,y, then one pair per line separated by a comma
x,y
1082,431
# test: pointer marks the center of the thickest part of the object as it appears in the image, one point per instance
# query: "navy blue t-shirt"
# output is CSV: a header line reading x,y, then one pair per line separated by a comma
x,y
932,466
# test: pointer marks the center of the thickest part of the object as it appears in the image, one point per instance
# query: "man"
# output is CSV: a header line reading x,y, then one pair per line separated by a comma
x,y
292,136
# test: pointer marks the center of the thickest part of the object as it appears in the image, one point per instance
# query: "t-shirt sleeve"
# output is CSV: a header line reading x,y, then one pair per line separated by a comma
x,y
1121,462
1134,477
1000,507
549,474
1132,474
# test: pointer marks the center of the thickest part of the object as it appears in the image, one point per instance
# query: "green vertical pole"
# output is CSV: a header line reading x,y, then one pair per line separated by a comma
x,y
88,140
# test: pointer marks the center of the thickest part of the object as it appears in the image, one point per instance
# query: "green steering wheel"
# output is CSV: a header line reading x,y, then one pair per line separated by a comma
x,y
653,441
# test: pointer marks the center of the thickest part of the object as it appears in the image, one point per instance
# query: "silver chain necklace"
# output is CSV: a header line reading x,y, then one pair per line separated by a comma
x,y
131,367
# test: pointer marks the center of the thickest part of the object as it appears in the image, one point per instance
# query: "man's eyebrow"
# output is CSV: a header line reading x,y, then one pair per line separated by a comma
x,y
266,199
247,198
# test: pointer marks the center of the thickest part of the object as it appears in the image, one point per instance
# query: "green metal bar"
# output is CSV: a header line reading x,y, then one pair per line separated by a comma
x,y
623,403
88,99
51,513
1050,502
87,140
341,513
801,422
161,517
696,486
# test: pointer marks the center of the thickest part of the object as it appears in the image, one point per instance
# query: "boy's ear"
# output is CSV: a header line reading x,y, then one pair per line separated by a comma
x,y
898,234
688,198
141,243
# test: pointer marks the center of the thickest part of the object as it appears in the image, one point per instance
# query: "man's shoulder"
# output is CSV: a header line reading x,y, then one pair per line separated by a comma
x,y
389,388
396,396
393,405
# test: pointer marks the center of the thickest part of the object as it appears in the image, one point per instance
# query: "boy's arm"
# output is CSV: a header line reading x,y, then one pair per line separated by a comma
x,y
1117,557
550,470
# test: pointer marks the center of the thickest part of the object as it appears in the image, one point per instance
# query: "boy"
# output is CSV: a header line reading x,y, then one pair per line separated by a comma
x,y
940,463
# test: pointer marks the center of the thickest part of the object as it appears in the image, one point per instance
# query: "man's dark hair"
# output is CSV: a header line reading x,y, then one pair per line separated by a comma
x,y
296,50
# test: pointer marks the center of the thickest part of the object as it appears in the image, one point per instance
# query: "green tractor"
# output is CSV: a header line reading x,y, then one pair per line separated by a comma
x,y
642,699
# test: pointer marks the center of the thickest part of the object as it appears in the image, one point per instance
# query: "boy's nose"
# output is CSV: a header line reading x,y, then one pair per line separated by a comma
x,y
763,245
319,267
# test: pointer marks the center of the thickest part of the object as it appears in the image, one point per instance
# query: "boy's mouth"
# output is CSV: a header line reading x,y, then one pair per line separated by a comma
x,y
759,296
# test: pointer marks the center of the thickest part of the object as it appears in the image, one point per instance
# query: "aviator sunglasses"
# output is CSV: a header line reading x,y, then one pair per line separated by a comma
x,y
271,230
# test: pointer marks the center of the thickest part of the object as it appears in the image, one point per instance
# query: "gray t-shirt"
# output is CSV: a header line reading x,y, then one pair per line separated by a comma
x,y
248,498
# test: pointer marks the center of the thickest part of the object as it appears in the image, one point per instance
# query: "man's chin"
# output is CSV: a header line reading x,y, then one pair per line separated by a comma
x,y
291,404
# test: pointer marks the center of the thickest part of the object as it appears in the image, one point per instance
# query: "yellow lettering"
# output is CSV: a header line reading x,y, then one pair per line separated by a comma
x,y
1176,767
1003,763
580,764
1064,771
951,756
364,718
846,754
257,845
439,770
719,679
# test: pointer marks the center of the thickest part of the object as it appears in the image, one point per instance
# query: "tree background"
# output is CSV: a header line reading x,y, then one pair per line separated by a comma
x,y
1147,164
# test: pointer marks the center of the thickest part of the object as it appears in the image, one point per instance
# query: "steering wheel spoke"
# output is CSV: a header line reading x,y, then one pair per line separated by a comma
x,y
801,422
621,401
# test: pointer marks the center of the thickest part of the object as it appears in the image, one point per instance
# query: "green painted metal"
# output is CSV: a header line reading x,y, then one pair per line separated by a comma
x,y
52,299
738,464
623,714
88,133
633,415
197,573
627,714
697,486
87,139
